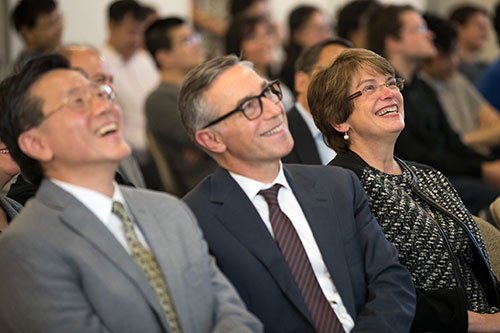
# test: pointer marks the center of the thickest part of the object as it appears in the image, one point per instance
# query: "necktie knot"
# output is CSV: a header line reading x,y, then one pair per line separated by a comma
x,y
271,194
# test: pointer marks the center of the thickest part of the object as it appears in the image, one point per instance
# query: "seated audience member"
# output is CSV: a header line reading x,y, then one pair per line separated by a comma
x,y
210,18
473,27
86,255
309,146
468,113
176,48
357,104
251,38
40,24
352,20
298,242
133,69
400,34
307,25
490,80
9,208
90,62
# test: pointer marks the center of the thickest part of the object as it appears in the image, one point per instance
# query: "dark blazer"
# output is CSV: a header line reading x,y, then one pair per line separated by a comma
x,y
376,289
304,150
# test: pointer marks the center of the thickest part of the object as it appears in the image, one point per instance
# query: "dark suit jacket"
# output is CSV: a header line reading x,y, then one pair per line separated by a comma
x,y
304,150
376,289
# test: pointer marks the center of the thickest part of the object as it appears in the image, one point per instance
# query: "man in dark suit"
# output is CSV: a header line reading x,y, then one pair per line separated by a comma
x,y
309,147
87,255
298,242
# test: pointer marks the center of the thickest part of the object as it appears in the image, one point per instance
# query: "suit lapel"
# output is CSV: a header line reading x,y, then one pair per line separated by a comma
x,y
159,240
83,222
321,212
237,213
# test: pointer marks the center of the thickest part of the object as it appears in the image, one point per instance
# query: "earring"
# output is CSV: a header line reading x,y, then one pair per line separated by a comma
x,y
346,136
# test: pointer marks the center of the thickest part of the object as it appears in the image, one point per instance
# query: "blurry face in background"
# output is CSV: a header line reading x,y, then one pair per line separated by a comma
x,y
444,65
127,35
258,46
46,34
93,65
316,29
186,50
7,164
258,8
474,33
415,40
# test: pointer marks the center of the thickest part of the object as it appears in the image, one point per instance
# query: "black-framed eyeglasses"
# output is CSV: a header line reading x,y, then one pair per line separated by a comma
x,y
251,107
392,83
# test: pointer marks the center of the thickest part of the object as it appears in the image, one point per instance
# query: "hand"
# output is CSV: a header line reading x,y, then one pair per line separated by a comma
x,y
491,172
483,322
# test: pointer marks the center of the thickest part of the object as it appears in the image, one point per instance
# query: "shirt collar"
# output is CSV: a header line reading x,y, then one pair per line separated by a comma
x,y
251,187
99,204
308,119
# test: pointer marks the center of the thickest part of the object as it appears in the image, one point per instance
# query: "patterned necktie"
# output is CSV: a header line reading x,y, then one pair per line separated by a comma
x,y
323,316
146,261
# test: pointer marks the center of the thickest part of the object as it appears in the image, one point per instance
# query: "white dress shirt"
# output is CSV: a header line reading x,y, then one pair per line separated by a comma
x,y
133,80
101,205
291,207
326,154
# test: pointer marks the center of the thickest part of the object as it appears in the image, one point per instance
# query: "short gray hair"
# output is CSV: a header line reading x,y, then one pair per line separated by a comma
x,y
195,111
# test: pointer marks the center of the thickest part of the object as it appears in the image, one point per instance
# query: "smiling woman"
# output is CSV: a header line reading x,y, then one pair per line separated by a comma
x,y
357,104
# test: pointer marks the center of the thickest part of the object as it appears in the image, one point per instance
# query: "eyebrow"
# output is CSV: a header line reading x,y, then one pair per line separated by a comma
x,y
389,77
246,98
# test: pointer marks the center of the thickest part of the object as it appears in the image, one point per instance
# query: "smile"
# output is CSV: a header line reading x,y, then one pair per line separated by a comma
x,y
386,111
274,130
108,129
4,151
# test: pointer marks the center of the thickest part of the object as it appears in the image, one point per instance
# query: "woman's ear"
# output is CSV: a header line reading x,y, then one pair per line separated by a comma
x,y
343,127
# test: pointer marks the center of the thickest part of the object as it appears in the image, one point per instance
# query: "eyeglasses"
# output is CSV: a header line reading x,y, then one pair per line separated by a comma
x,y
79,101
251,107
392,84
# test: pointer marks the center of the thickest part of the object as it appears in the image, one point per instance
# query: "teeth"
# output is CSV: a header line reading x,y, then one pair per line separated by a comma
x,y
107,129
392,109
4,151
274,130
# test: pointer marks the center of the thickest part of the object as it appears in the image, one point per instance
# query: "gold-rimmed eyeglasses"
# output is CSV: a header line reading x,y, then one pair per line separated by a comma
x,y
369,89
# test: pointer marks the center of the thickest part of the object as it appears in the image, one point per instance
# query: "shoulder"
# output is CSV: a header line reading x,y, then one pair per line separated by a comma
x,y
350,161
329,176
154,201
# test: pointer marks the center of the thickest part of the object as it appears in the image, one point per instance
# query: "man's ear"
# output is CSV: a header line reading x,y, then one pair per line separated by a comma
x,y
210,140
391,44
32,143
301,82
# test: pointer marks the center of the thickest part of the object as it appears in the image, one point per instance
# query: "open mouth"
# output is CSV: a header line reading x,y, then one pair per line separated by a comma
x,y
108,129
274,130
385,111
4,150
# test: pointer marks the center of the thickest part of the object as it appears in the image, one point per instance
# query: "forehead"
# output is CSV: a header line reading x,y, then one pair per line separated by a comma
x,y
129,22
410,18
46,17
180,31
231,86
51,86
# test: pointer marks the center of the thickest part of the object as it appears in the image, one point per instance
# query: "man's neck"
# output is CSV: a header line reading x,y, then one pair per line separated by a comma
x,y
96,179
467,55
172,77
406,68
124,57
262,172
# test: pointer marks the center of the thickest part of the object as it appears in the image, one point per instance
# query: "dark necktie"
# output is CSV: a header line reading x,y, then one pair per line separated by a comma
x,y
323,316
147,262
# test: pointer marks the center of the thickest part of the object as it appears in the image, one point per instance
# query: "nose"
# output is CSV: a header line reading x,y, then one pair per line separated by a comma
x,y
387,92
271,109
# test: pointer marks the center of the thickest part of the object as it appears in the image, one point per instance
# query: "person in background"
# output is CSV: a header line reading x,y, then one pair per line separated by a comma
x,y
135,74
87,255
490,80
309,146
252,38
357,104
473,26
352,20
176,48
298,242
400,34
40,25
468,113
307,25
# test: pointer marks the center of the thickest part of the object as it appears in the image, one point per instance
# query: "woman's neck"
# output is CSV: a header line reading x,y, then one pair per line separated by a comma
x,y
380,157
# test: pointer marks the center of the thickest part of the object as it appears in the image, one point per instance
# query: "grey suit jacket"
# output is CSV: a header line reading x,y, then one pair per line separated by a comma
x,y
63,271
